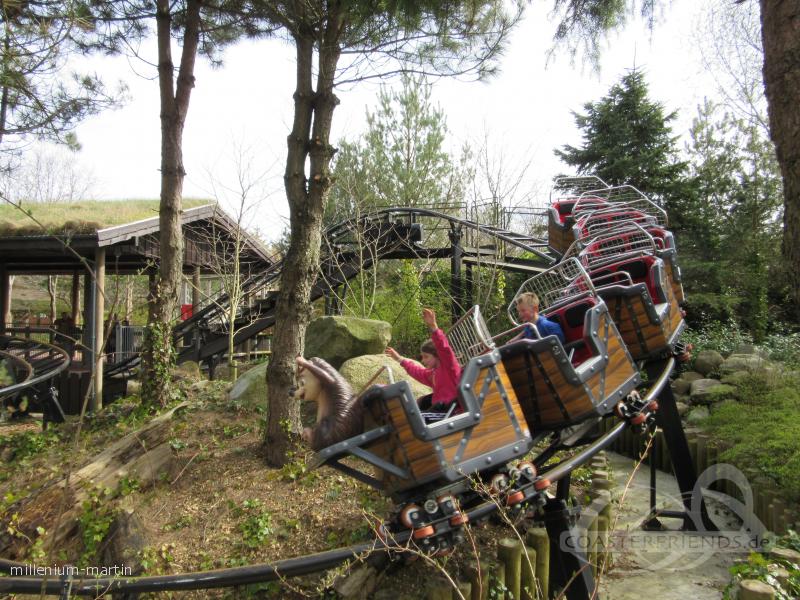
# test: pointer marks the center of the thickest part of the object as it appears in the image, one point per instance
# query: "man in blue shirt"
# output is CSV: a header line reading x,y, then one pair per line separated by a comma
x,y
528,310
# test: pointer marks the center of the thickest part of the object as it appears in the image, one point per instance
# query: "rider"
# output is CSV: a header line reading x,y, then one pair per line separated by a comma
x,y
439,370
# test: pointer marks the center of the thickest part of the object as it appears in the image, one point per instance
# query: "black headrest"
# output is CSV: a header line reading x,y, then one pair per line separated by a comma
x,y
637,269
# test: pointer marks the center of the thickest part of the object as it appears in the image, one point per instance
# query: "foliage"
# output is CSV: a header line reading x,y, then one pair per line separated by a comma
x,y
773,451
40,97
256,527
729,224
582,24
27,444
156,388
627,140
722,336
760,568
401,159
97,514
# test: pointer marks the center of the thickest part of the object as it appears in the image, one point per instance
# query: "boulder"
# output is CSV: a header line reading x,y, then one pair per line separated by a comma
x,y
251,386
697,414
682,408
707,361
337,339
742,362
700,390
691,376
681,386
358,371
735,377
188,370
719,393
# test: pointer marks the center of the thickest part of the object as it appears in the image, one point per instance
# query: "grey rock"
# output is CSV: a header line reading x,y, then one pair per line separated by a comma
x,y
707,361
682,407
337,339
251,385
697,414
358,584
358,371
691,376
700,389
719,393
735,377
742,362
681,386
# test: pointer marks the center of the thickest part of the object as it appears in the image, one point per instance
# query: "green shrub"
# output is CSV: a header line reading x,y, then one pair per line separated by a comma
x,y
722,336
763,429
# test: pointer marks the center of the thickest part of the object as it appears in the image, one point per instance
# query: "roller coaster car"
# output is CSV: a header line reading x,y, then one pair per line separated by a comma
x,y
631,238
565,193
559,385
560,223
412,454
641,301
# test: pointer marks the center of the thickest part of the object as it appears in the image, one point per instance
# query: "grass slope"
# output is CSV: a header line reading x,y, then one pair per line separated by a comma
x,y
79,217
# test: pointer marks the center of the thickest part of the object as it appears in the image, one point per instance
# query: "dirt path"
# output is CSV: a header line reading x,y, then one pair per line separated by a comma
x,y
668,564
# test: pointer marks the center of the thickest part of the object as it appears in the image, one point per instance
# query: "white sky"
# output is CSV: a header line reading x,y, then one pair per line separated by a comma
x,y
526,110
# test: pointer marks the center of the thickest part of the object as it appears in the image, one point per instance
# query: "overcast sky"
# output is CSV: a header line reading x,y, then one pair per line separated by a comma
x,y
526,110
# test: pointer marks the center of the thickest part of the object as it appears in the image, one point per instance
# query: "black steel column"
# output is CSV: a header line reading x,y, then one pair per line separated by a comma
x,y
5,297
456,289
570,570
469,284
669,421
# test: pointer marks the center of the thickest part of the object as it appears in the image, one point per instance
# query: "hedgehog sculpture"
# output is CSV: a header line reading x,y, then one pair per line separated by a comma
x,y
340,415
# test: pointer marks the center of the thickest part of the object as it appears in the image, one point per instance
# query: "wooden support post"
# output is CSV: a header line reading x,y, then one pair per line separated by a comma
x,y
75,298
99,329
509,553
479,574
196,290
5,299
537,539
441,589
528,583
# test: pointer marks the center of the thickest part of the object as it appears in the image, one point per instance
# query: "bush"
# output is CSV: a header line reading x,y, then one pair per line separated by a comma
x,y
722,336
763,429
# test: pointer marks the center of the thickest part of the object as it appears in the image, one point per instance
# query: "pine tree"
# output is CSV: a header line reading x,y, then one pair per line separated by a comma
x,y
628,140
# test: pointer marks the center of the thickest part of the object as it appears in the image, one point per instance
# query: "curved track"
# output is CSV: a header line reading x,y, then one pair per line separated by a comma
x,y
80,584
348,248
34,363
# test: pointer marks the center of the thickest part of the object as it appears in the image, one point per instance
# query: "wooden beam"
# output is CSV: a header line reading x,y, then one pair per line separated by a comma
x,y
75,297
99,336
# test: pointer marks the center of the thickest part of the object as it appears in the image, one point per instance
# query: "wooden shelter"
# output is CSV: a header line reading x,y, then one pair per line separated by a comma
x,y
49,240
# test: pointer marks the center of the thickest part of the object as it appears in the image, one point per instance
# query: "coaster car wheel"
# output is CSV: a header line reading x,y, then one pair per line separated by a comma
x,y
498,483
423,532
458,519
515,498
405,515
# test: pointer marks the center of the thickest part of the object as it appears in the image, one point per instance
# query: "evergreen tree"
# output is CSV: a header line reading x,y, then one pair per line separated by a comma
x,y
627,139
730,254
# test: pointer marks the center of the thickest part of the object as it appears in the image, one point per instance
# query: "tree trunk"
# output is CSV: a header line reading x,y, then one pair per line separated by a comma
x,y
158,352
780,31
308,141
140,455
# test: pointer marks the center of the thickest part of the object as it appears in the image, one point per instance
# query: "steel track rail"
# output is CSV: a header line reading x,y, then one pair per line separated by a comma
x,y
82,585
38,378
21,364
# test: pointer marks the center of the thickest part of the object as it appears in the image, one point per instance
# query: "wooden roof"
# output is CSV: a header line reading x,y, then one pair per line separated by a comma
x,y
130,246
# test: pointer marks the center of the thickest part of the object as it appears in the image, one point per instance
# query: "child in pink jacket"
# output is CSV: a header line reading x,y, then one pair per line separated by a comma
x,y
441,370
